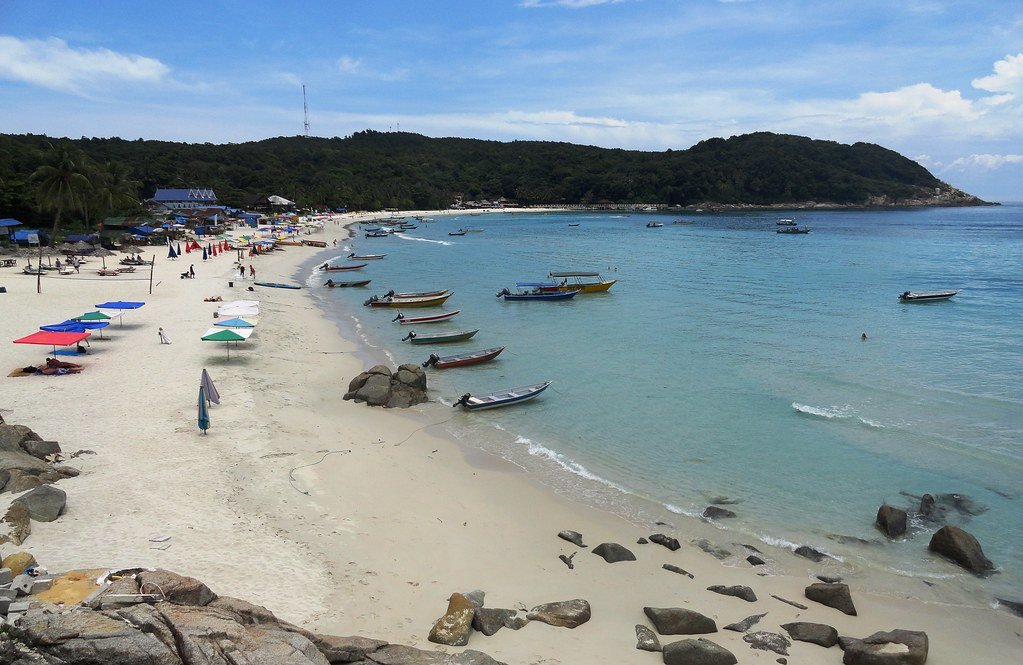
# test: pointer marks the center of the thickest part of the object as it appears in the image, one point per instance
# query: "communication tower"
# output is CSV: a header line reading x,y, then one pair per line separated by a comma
x,y
305,110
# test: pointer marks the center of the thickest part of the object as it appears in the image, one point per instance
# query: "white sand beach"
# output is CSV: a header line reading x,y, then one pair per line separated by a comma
x,y
353,520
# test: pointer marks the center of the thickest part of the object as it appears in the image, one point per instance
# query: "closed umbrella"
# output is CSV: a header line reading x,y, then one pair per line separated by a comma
x,y
203,253
204,411
171,254
212,395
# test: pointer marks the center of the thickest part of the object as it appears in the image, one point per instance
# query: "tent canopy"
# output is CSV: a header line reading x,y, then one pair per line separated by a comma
x,y
9,222
48,338
120,304
75,326
226,334
92,316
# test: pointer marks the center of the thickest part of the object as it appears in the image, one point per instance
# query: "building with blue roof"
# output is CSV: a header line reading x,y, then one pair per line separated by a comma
x,y
183,199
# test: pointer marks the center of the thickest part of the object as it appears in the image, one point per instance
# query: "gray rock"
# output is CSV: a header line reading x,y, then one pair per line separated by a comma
x,y
739,591
898,647
810,553
696,652
891,521
746,624
669,542
21,461
926,505
829,579
490,620
573,537
379,387
679,621
412,375
12,437
347,649
642,541
16,524
832,595
21,481
814,633
675,569
477,597
379,369
713,513
764,641
455,626
719,553
177,589
40,449
394,654
613,552
564,614
45,503
961,547
1014,606
646,640
5,475
754,560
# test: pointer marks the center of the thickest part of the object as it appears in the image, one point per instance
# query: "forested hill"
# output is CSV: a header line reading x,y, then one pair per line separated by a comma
x,y
372,170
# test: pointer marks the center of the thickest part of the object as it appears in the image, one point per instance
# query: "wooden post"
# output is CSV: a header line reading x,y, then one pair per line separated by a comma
x,y
152,268
39,269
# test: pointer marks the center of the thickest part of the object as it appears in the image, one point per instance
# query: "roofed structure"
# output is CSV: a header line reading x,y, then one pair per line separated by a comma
x,y
181,199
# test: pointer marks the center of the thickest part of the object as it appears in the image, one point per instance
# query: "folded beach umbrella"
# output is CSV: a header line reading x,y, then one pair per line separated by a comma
x,y
204,411
171,254
179,249
204,254
206,383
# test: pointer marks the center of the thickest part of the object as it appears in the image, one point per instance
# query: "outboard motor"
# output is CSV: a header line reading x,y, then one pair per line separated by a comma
x,y
411,334
503,292
432,360
461,400
372,299
351,255
399,317
389,294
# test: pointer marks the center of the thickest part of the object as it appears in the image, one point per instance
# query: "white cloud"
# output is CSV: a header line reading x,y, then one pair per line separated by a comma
x,y
571,4
1008,76
985,162
52,64
922,100
356,67
349,65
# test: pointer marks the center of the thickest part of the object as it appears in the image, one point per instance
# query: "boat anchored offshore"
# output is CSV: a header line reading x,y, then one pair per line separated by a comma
x,y
654,225
433,318
331,284
439,338
463,359
429,301
501,398
537,294
587,282
793,230
326,267
785,221
926,296
365,257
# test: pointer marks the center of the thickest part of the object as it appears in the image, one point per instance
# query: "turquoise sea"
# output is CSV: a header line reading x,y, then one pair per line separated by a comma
x,y
727,364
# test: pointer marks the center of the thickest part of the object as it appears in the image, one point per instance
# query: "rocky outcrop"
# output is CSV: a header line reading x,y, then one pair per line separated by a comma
x,y
746,624
15,525
810,553
44,504
697,652
714,513
898,647
489,620
455,626
563,614
764,641
646,639
679,621
814,633
667,541
613,552
832,595
26,461
378,386
891,521
961,547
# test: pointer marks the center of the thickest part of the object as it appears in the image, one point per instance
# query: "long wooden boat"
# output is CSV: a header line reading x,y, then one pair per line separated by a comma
x,y
453,233
471,229
537,294
463,359
331,284
587,282
314,243
433,318
377,234
329,268
278,285
407,302
421,294
365,257
439,338
501,398
785,221
926,296
792,230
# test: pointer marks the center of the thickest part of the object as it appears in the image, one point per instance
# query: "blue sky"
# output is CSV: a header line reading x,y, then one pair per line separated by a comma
x,y
940,82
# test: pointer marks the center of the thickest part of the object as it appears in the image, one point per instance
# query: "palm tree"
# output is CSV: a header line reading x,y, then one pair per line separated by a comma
x,y
112,191
62,183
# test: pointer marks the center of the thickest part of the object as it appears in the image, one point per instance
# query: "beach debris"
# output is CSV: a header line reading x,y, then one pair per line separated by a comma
x,y
563,614
832,595
613,552
790,602
754,560
714,512
960,546
810,553
573,537
898,647
379,387
765,641
738,590
679,621
568,560
710,548
159,539
675,569
891,521
489,620
669,542
44,504
646,639
814,633
701,651
745,624
454,628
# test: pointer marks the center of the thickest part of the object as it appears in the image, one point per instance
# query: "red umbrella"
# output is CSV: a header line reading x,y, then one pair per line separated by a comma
x,y
54,339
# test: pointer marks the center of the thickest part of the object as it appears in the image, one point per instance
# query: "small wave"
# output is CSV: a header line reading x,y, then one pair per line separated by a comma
x,y
836,413
439,242
538,450
678,510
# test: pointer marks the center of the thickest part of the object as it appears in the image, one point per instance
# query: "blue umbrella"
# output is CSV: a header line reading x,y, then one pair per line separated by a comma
x,y
76,326
203,253
204,410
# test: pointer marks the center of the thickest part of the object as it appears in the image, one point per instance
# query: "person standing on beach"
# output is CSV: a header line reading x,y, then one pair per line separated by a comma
x,y
252,271
191,271
241,271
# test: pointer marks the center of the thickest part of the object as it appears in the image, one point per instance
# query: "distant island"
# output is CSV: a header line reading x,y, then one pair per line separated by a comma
x,y
373,170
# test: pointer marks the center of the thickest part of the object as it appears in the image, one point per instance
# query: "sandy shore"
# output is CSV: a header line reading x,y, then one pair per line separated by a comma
x,y
388,521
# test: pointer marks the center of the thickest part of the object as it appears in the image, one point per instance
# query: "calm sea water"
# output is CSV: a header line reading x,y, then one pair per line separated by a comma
x,y
727,363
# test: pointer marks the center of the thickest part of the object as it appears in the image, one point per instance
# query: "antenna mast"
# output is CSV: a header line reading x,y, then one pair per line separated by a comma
x,y
305,109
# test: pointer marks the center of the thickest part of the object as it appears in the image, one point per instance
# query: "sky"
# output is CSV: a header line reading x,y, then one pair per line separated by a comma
x,y
940,82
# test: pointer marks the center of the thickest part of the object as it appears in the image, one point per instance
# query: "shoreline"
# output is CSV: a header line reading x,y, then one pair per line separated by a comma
x,y
388,530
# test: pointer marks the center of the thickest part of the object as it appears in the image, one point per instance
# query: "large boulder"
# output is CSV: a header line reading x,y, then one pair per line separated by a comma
x,y
177,589
44,503
679,621
18,562
810,553
613,552
832,595
564,614
738,590
714,513
765,641
379,387
891,521
15,526
646,639
669,542
454,628
13,437
696,652
898,647
961,547
489,620
814,633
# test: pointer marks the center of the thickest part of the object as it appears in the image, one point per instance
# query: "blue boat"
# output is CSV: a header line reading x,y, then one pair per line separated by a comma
x,y
278,285
536,294
501,398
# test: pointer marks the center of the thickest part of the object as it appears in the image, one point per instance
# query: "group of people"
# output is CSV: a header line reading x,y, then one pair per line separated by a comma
x,y
241,271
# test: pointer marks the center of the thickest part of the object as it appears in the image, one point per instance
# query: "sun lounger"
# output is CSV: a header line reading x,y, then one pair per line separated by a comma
x,y
126,269
107,272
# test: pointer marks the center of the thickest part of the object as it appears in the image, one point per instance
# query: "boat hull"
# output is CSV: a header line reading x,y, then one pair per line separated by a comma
x,y
367,257
341,268
929,296
592,287
410,302
442,338
464,359
436,318
555,295
341,285
504,398
278,285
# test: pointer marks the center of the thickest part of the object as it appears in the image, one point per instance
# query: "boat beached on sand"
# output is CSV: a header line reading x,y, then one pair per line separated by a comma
x,y
463,359
926,296
439,338
500,398
433,318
